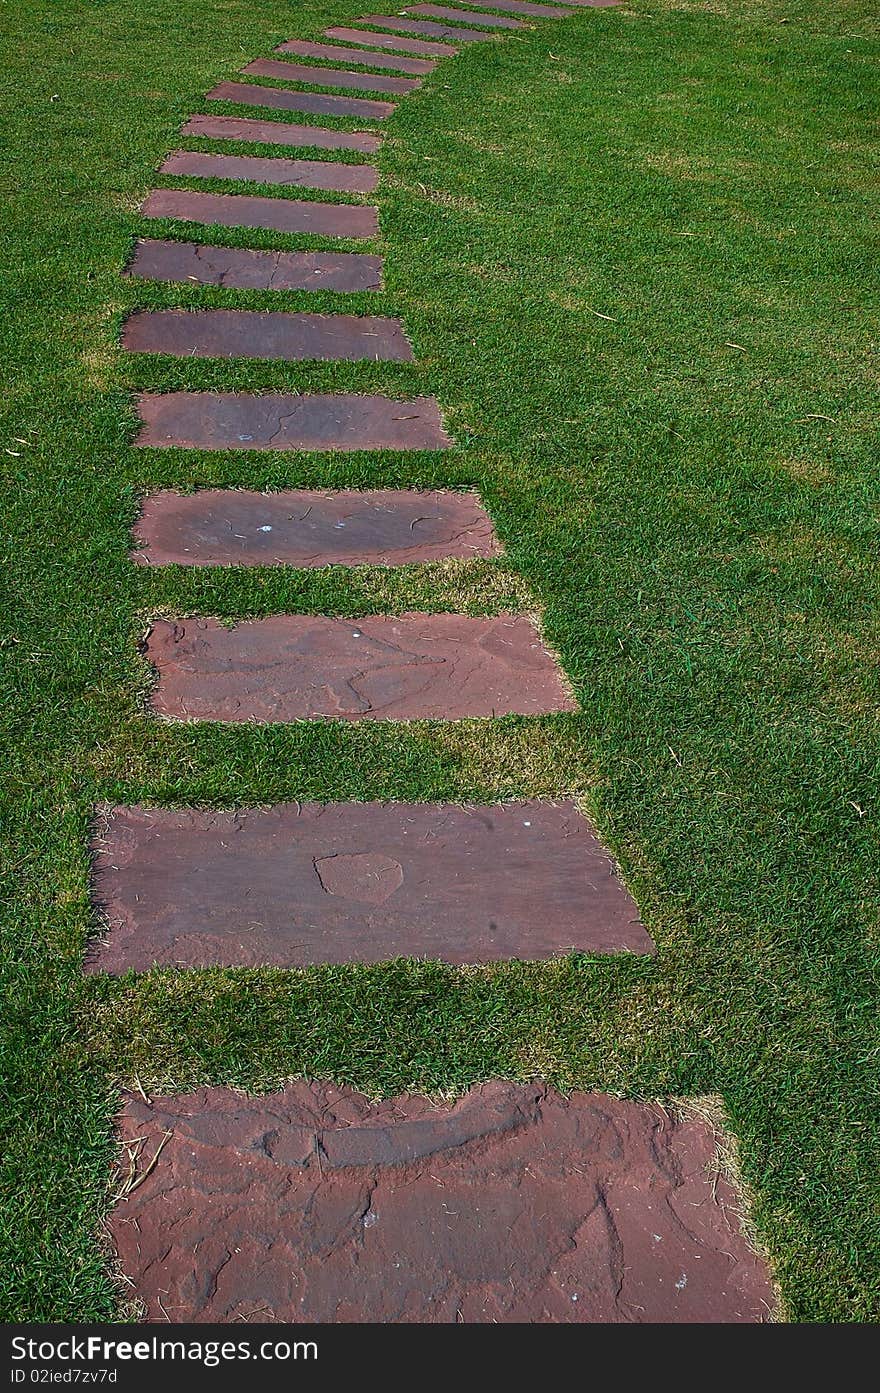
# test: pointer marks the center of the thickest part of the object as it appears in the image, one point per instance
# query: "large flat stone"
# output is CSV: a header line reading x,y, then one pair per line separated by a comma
x,y
512,1204
298,667
484,21
372,40
330,77
278,214
266,334
280,133
300,884
525,7
307,174
318,103
241,421
424,29
232,527
391,61
243,269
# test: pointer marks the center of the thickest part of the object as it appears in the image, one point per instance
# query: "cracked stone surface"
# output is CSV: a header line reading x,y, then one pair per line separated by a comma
x,y
512,1204
247,269
303,49
386,527
291,667
463,16
278,214
304,174
280,133
317,103
330,77
424,27
368,39
304,883
266,334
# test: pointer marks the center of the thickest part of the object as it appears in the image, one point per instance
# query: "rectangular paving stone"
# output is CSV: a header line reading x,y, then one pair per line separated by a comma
x,y
424,27
306,174
318,103
304,883
511,1205
464,16
264,334
386,527
372,40
279,214
394,62
330,77
280,133
525,7
244,269
245,421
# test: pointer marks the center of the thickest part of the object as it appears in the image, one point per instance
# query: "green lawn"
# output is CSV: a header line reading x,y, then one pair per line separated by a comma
x,y
635,252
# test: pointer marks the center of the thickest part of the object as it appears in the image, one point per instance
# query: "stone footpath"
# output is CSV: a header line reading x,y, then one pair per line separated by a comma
x,y
314,1203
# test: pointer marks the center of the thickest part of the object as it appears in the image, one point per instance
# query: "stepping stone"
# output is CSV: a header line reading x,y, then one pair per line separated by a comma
x,y
280,133
305,667
418,26
319,103
267,335
368,40
330,77
242,421
525,7
511,1205
241,269
231,527
357,55
305,883
464,16
279,214
308,174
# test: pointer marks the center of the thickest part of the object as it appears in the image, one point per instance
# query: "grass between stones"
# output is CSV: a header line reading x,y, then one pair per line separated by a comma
x,y
634,252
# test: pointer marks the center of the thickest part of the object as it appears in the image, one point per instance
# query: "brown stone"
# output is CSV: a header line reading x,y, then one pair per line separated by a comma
x,y
245,269
231,527
242,421
391,61
279,214
330,77
303,667
308,174
524,7
464,16
265,334
423,27
318,103
306,883
510,1205
369,40
280,133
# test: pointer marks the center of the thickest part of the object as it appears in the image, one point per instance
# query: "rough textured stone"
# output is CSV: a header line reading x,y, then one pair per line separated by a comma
x,y
512,1204
371,40
280,133
318,103
423,27
391,61
305,883
308,174
245,269
463,16
293,667
231,527
279,214
524,7
240,421
266,334
330,77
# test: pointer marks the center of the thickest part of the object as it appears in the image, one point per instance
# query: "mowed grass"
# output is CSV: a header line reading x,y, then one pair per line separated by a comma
x,y
635,251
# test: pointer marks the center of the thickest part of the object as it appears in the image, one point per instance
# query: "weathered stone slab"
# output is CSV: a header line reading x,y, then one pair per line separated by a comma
x,y
300,884
232,527
304,667
372,40
524,7
510,1205
394,62
245,269
280,133
279,214
318,103
424,28
330,77
484,21
306,174
266,334
242,421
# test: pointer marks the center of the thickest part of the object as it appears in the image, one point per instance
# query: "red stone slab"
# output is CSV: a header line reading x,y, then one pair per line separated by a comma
x,y
524,7
300,884
390,61
510,1205
266,334
330,77
244,421
230,527
424,28
463,16
307,174
244,269
368,40
305,667
318,103
280,133
279,214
